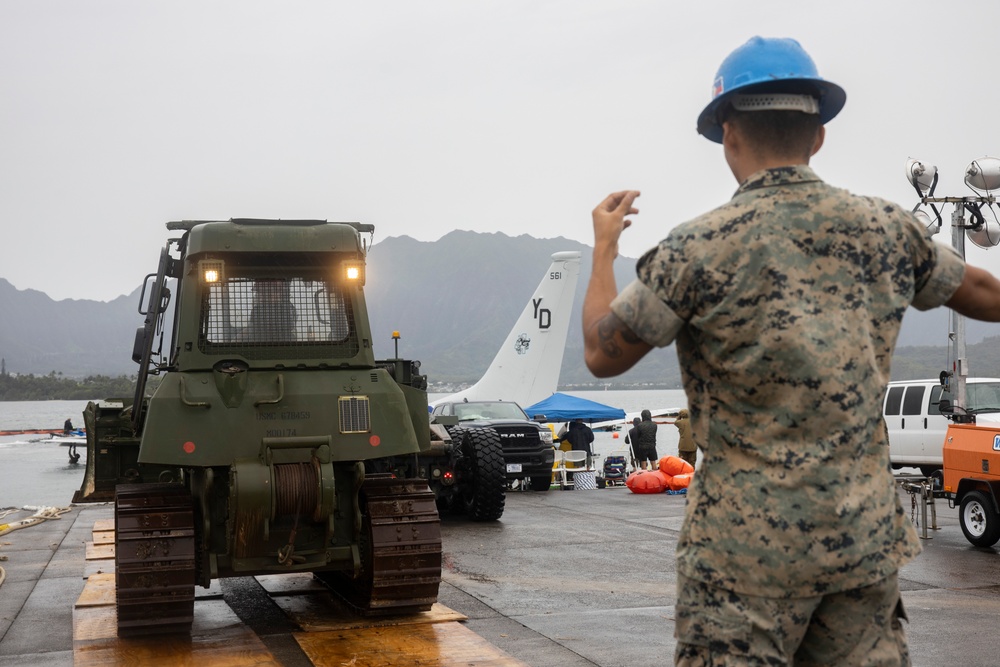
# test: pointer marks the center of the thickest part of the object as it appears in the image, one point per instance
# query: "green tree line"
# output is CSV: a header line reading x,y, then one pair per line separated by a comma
x,y
56,387
908,363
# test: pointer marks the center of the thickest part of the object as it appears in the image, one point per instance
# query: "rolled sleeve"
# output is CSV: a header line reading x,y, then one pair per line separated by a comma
x,y
646,314
943,280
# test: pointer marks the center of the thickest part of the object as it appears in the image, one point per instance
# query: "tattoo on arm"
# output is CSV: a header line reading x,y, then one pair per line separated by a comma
x,y
628,335
608,330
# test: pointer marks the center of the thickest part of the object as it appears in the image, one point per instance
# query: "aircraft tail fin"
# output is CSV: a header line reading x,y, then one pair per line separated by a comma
x,y
526,368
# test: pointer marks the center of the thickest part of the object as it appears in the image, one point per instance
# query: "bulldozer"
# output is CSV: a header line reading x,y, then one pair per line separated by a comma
x,y
264,437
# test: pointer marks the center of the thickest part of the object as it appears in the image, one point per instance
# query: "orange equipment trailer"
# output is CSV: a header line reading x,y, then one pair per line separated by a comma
x,y
972,479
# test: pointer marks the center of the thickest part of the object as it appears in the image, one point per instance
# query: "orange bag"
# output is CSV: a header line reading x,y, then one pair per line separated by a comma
x,y
647,481
682,481
674,465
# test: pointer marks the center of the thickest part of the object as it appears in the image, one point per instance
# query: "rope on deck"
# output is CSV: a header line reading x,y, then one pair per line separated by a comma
x,y
41,515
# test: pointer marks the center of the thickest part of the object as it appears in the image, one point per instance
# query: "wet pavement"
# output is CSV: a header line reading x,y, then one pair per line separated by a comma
x,y
565,579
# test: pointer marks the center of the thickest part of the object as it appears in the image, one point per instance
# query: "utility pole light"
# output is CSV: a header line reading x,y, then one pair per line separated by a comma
x,y
982,176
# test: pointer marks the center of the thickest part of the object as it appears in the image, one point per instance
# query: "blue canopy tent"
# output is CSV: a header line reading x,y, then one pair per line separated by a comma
x,y
563,408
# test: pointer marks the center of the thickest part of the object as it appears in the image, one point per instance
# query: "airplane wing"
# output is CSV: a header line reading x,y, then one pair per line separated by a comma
x,y
659,415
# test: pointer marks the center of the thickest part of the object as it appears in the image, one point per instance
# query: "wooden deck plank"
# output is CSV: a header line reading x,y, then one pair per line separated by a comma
x,y
217,638
334,635
100,551
104,524
98,591
104,536
428,645
322,611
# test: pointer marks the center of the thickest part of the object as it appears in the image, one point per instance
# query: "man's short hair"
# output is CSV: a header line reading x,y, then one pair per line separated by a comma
x,y
776,133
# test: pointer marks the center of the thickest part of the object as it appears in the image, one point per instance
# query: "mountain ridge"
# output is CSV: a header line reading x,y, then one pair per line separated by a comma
x,y
453,300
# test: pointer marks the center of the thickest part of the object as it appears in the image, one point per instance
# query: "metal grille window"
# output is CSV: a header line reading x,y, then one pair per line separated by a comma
x,y
277,317
354,414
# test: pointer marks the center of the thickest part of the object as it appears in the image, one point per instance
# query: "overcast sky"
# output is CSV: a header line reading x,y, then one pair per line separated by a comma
x,y
424,117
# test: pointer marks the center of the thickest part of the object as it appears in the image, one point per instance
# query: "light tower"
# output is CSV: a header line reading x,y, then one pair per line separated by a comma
x,y
982,176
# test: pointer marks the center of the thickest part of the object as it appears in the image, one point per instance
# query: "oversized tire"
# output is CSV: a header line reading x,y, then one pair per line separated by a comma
x,y
980,521
482,478
541,483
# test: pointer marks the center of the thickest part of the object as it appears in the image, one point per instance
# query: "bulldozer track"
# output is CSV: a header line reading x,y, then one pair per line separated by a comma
x,y
400,550
154,559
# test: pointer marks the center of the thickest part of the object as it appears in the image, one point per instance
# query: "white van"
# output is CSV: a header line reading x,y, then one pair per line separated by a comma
x,y
916,425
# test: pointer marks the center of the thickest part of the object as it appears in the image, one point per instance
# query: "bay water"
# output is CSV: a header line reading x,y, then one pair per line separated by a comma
x,y
35,470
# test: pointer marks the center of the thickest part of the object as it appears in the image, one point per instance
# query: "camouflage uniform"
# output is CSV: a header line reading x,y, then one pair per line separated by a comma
x,y
785,304
857,627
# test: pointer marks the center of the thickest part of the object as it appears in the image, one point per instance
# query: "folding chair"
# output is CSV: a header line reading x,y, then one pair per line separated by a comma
x,y
558,466
572,460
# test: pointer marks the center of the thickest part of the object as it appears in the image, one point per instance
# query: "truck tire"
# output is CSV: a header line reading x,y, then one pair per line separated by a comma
x,y
483,479
980,522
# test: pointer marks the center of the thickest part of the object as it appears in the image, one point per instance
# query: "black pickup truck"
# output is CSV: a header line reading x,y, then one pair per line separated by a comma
x,y
527,445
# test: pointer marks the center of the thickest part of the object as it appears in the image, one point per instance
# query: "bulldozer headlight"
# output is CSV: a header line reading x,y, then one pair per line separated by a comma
x,y
354,273
210,271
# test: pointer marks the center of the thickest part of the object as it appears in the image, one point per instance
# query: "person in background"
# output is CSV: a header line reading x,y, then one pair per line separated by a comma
x,y
74,456
632,440
686,448
645,441
580,437
785,303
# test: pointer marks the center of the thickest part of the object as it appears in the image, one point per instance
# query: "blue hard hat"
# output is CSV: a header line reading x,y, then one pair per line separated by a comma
x,y
769,65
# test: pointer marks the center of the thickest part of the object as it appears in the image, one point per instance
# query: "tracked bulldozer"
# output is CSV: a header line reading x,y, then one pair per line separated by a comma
x,y
263,436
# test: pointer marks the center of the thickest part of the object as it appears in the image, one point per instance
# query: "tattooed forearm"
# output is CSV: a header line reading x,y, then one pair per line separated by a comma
x,y
608,329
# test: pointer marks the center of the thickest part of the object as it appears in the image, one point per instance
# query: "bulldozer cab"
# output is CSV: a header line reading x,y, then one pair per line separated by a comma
x,y
284,314
297,301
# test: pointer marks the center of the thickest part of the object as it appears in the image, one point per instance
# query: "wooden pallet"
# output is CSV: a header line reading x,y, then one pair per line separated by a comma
x,y
332,634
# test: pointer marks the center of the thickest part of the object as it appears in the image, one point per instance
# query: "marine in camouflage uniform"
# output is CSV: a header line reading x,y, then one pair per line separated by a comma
x,y
785,304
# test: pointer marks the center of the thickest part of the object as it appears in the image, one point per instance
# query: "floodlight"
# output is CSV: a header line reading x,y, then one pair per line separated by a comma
x,y
983,174
354,272
211,270
921,176
933,226
985,235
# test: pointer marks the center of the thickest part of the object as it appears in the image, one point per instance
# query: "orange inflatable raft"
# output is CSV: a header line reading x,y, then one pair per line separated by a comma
x,y
673,473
